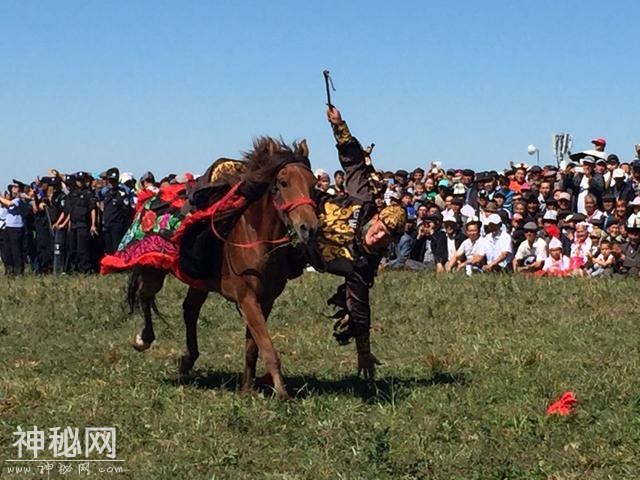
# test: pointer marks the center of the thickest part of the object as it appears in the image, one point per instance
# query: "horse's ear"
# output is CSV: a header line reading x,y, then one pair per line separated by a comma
x,y
303,148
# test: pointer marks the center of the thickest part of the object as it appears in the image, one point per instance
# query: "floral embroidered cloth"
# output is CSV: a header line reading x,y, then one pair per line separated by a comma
x,y
153,240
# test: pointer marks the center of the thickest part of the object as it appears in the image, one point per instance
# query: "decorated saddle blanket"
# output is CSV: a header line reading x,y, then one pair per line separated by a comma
x,y
179,215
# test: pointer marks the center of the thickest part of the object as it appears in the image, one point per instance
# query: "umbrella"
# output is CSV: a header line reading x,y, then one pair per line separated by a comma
x,y
576,157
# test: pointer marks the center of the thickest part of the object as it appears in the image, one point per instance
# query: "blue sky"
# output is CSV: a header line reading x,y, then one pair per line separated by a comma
x,y
170,86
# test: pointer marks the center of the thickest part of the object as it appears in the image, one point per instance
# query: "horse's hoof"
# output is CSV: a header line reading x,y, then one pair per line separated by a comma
x,y
283,395
185,365
139,344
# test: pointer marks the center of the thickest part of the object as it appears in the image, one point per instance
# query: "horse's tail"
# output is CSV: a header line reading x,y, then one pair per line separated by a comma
x,y
134,299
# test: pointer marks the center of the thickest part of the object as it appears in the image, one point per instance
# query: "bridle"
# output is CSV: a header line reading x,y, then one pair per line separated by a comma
x,y
282,208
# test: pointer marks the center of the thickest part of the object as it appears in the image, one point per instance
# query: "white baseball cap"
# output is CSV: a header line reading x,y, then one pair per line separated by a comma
x,y
494,219
555,243
617,173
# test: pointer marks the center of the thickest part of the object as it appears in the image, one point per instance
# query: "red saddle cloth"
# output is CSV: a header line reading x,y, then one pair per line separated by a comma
x,y
160,222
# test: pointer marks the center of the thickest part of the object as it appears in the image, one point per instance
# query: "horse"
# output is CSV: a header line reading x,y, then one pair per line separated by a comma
x,y
251,265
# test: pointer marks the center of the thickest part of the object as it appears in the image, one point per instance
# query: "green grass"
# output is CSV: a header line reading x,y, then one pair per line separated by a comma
x,y
470,366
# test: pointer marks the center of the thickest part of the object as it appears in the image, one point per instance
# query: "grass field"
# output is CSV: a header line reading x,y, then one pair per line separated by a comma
x,y
470,366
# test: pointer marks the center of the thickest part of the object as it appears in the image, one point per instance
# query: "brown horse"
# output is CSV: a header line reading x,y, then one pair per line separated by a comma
x,y
250,270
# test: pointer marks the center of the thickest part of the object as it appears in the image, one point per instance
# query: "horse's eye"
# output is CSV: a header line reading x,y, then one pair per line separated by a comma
x,y
282,183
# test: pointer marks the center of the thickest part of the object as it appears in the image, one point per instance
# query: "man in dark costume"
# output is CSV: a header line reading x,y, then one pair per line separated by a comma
x,y
353,237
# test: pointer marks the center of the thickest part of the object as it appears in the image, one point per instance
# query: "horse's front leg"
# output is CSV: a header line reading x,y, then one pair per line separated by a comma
x,y
257,325
191,311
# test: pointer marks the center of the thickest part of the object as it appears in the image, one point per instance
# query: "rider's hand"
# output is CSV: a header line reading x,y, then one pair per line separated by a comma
x,y
333,115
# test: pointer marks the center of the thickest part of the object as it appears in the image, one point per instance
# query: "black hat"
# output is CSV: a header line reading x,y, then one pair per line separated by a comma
x,y
80,176
499,193
113,174
635,164
535,169
613,158
576,217
19,184
69,179
53,181
402,173
608,197
148,177
436,217
484,177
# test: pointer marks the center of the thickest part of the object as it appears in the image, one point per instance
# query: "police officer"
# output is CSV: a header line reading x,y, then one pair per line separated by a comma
x,y
80,221
16,208
117,211
48,210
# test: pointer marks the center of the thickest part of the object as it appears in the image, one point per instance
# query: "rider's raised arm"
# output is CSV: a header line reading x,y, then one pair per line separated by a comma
x,y
351,157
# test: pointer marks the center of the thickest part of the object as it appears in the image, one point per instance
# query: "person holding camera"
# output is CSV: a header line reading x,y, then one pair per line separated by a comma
x,y
16,207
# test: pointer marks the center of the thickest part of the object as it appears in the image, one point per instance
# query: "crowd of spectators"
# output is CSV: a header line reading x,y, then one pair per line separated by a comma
x,y
580,218
575,219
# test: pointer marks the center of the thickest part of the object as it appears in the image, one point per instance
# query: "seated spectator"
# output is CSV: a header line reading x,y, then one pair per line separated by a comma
x,y
338,186
602,264
556,264
550,230
494,250
621,212
619,187
464,254
533,209
564,201
422,257
630,252
419,195
581,246
591,208
446,242
532,252
404,246
519,180
405,201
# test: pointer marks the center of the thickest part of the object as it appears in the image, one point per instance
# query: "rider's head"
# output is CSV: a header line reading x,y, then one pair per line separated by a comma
x,y
383,226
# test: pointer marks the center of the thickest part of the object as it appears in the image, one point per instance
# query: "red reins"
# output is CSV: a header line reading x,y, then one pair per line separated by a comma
x,y
285,208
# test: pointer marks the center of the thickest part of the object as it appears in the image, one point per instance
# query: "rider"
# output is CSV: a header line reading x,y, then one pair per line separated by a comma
x,y
354,235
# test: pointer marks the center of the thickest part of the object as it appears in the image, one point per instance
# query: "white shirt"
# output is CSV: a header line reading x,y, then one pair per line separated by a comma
x,y
466,249
584,191
538,250
451,247
492,245
551,265
597,215
467,211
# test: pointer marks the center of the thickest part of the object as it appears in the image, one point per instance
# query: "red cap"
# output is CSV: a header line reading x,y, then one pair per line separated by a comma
x,y
599,141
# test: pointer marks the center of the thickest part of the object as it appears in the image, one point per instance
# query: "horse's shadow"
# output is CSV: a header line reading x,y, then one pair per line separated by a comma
x,y
391,389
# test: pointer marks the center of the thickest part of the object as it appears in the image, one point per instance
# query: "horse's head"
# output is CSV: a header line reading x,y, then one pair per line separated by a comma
x,y
293,187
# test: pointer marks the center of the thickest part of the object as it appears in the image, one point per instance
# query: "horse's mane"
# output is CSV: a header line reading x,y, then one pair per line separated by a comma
x,y
268,156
